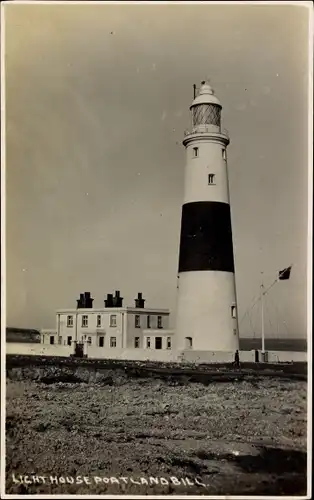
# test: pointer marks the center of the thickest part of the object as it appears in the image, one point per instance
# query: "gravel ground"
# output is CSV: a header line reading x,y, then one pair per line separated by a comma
x,y
242,437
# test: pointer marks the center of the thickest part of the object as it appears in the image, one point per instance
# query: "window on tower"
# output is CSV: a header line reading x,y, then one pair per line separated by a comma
x,y
195,152
211,178
233,311
224,154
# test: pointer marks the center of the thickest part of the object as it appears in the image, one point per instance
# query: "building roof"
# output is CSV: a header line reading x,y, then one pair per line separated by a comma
x,y
114,310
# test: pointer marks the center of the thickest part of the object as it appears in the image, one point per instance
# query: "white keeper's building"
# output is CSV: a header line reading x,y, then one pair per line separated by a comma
x,y
112,326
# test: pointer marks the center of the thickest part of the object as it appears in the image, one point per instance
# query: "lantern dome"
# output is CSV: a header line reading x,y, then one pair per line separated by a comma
x,y
205,96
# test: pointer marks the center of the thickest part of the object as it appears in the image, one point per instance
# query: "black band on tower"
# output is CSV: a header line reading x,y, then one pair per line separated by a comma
x,y
206,237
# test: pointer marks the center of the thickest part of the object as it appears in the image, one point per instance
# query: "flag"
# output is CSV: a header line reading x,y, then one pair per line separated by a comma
x,y
285,273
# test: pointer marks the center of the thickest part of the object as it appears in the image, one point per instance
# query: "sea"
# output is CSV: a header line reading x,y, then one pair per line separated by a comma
x,y
274,344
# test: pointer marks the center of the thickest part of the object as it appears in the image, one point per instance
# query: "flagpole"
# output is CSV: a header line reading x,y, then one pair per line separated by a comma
x,y
258,298
262,303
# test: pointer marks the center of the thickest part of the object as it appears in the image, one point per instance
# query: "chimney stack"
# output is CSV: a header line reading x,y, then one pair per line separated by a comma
x,y
85,301
88,300
140,302
114,301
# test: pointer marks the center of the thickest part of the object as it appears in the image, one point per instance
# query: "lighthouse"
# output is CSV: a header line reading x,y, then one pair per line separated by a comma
x,y
206,301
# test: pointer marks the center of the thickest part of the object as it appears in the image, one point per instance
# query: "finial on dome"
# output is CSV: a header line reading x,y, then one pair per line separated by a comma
x,y
206,88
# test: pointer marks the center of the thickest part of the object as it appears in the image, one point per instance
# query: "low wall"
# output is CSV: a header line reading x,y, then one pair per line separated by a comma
x,y
245,356
163,355
132,354
215,356
284,356
38,349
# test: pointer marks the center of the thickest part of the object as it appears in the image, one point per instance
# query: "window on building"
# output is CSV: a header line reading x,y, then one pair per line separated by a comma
x,y
148,321
113,320
195,152
52,339
188,342
158,342
168,342
84,320
98,320
211,178
89,340
233,311
69,340
113,341
137,321
234,331
136,342
148,342
159,321
101,341
69,321
60,340
224,154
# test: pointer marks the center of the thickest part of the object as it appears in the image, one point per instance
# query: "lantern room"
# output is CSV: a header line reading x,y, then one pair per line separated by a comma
x,y
206,110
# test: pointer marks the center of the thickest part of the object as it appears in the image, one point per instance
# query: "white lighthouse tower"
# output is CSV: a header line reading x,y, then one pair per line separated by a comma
x,y
206,306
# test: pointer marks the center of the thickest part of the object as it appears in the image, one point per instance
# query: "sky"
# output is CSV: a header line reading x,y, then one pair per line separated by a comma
x,y
97,102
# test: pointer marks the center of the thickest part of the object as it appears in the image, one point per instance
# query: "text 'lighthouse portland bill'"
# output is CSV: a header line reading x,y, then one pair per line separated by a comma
x,y
206,306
